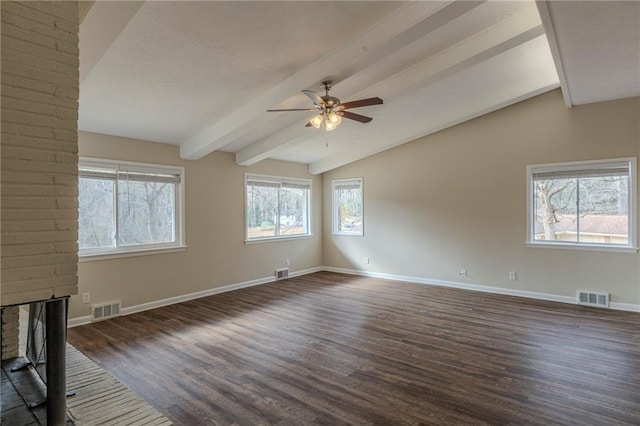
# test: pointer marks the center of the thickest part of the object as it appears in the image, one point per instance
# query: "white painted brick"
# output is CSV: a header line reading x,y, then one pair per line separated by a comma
x,y
39,28
66,47
68,70
27,105
18,9
38,132
32,214
11,286
9,238
39,51
58,9
37,88
69,247
20,153
10,70
39,143
34,260
39,120
13,91
45,87
10,332
16,56
34,154
40,225
40,90
47,202
29,36
36,166
31,190
28,274
43,293
26,178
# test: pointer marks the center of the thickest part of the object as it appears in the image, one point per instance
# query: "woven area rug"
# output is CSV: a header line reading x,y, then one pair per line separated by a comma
x,y
101,400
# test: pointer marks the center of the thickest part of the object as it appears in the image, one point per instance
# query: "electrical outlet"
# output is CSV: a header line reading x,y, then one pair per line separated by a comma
x,y
513,276
463,273
288,263
86,297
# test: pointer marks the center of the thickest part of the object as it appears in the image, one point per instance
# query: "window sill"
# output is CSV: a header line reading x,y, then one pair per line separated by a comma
x,y
277,239
129,253
586,247
348,234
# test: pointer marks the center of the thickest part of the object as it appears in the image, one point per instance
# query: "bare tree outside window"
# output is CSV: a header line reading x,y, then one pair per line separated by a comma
x,y
276,207
589,206
96,226
146,212
122,209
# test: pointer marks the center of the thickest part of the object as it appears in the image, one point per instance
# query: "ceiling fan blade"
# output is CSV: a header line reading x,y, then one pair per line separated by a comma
x,y
357,117
294,109
315,98
361,103
308,124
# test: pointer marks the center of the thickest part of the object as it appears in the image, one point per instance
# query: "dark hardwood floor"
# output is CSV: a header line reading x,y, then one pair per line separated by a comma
x,y
337,349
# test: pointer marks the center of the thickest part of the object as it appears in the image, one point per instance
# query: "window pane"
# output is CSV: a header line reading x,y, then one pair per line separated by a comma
x,y
556,217
96,213
277,207
293,208
262,208
348,209
146,212
604,210
585,202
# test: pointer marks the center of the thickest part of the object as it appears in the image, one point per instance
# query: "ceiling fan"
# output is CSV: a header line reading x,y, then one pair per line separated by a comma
x,y
331,110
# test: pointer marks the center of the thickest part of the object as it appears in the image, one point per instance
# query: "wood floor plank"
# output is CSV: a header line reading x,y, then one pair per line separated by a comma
x,y
330,348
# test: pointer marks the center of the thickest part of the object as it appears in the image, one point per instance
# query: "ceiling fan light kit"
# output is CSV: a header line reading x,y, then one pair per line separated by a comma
x,y
329,121
330,110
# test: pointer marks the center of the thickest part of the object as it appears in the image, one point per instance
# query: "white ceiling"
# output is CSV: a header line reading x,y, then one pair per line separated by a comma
x,y
202,74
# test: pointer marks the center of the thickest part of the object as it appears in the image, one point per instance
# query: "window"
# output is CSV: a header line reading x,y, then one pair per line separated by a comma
x,y
277,207
347,207
587,204
128,207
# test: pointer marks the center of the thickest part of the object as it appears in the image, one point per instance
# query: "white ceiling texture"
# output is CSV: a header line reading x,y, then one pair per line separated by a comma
x,y
201,75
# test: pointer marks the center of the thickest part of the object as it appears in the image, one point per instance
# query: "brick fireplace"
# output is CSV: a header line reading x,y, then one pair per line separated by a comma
x,y
39,174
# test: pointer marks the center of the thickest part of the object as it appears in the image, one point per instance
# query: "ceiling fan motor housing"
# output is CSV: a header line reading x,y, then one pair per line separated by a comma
x,y
330,102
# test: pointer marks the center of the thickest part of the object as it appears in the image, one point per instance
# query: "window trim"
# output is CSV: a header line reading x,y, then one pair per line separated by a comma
x,y
280,179
630,162
138,249
334,207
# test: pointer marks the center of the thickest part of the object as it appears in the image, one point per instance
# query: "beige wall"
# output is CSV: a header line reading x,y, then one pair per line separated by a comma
x,y
452,200
456,199
216,253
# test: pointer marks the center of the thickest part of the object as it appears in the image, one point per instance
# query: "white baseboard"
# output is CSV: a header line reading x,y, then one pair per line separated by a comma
x,y
74,322
624,306
478,287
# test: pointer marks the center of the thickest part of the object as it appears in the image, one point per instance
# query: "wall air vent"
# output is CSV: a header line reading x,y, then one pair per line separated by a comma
x,y
105,310
591,298
281,274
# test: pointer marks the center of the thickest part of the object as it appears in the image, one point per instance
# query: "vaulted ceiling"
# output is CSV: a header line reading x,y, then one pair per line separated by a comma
x,y
201,75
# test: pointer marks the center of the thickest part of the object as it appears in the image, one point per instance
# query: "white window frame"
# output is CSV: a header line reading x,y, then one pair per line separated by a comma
x,y
281,180
334,205
577,166
140,249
